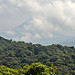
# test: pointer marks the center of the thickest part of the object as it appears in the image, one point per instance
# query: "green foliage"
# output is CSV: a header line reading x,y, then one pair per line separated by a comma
x,y
17,54
34,69
7,71
38,69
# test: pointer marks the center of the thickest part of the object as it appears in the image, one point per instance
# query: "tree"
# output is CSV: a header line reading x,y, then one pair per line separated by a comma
x,y
38,69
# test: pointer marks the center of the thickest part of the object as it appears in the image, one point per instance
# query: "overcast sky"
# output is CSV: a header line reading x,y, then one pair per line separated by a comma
x,y
38,21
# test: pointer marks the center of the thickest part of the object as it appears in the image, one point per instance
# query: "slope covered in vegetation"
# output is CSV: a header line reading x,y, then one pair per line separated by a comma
x,y
17,54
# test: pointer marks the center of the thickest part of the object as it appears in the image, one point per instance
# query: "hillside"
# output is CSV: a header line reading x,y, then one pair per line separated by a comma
x,y
17,54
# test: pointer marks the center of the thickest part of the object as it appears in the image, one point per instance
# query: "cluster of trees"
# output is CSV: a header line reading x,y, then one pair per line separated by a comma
x,y
17,54
33,69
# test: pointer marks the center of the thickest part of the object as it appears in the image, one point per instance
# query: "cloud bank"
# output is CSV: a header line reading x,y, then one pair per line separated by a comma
x,y
50,19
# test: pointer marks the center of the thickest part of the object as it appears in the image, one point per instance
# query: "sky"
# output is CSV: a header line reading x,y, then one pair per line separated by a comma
x,y
38,21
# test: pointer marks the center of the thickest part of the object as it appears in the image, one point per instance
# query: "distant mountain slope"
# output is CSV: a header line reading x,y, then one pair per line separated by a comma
x,y
16,54
28,33
20,30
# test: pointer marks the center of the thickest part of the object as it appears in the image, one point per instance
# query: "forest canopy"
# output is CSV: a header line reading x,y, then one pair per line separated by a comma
x,y
17,54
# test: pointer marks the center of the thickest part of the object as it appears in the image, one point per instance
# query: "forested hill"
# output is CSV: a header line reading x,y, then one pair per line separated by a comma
x,y
17,54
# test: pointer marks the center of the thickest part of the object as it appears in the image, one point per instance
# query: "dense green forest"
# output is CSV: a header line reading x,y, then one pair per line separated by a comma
x,y
18,54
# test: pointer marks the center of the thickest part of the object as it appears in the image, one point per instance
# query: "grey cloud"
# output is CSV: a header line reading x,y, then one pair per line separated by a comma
x,y
50,18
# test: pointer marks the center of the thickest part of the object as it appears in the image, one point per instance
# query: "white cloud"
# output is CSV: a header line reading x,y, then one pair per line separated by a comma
x,y
37,36
10,33
26,37
29,37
